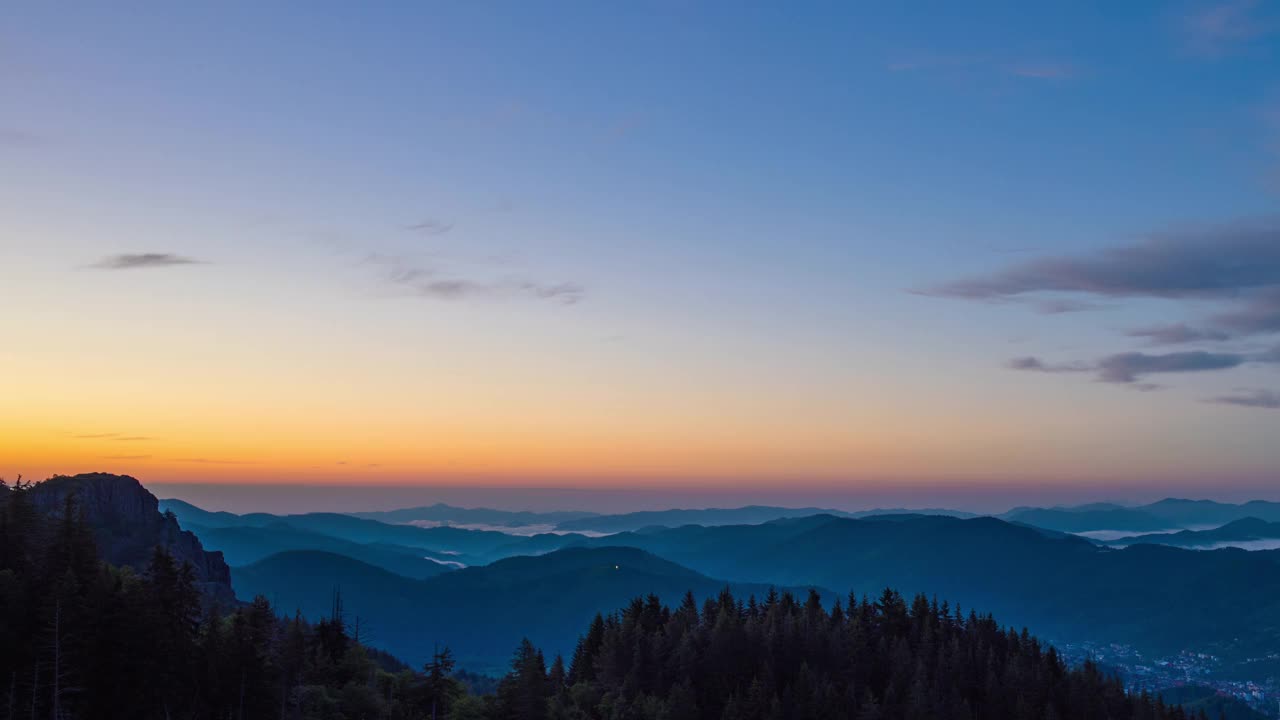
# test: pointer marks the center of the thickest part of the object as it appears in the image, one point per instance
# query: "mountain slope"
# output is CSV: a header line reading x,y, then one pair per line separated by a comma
x,y
483,612
1067,587
247,545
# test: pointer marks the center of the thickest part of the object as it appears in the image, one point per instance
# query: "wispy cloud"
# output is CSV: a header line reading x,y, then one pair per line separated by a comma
x,y
430,226
133,261
1223,27
1176,334
1265,399
1059,307
16,138
212,461
111,436
437,282
126,457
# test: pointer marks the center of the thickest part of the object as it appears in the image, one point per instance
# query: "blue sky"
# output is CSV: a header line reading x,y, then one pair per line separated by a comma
x,y
607,228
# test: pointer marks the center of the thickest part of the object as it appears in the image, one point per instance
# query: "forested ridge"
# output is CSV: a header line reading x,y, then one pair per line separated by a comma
x,y
84,639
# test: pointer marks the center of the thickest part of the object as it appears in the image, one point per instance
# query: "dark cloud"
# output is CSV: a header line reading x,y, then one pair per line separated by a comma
x,y
143,260
431,227
1213,263
1177,334
1267,399
1132,366
1128,367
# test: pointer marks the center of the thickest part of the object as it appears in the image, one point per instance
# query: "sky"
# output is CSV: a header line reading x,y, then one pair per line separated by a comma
x,y
848,252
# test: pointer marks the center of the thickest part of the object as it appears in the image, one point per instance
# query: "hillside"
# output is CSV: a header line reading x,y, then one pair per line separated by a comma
x,y
482,612
793,659
1067,587
247,545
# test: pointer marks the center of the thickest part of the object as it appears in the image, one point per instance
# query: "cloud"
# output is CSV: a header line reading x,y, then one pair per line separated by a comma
x,y
143,260
1259,314
1058,307
1235,265
1176,334
212,461
1129,367
112,436
437,283
1266,399
431,227
1215,262
1035,364
126,457
1222,27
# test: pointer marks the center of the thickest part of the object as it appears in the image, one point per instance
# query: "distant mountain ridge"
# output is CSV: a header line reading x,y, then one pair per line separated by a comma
x,y
1243,531
444,543
1166,514
450,514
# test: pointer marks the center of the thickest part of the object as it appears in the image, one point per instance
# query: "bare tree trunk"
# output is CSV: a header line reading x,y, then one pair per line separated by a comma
x,y
35,688
57,660
242,695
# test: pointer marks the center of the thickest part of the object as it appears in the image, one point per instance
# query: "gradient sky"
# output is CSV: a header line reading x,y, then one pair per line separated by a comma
x,y
841,248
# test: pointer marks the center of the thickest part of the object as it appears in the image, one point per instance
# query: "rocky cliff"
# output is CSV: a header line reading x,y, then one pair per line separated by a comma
x,y
128,525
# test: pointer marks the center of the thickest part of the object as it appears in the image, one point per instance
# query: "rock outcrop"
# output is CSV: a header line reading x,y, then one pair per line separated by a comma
x,y
128,525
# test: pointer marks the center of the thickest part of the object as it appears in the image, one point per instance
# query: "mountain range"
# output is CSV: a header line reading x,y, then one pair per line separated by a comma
x,y
1024,566
1249,533
482,612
